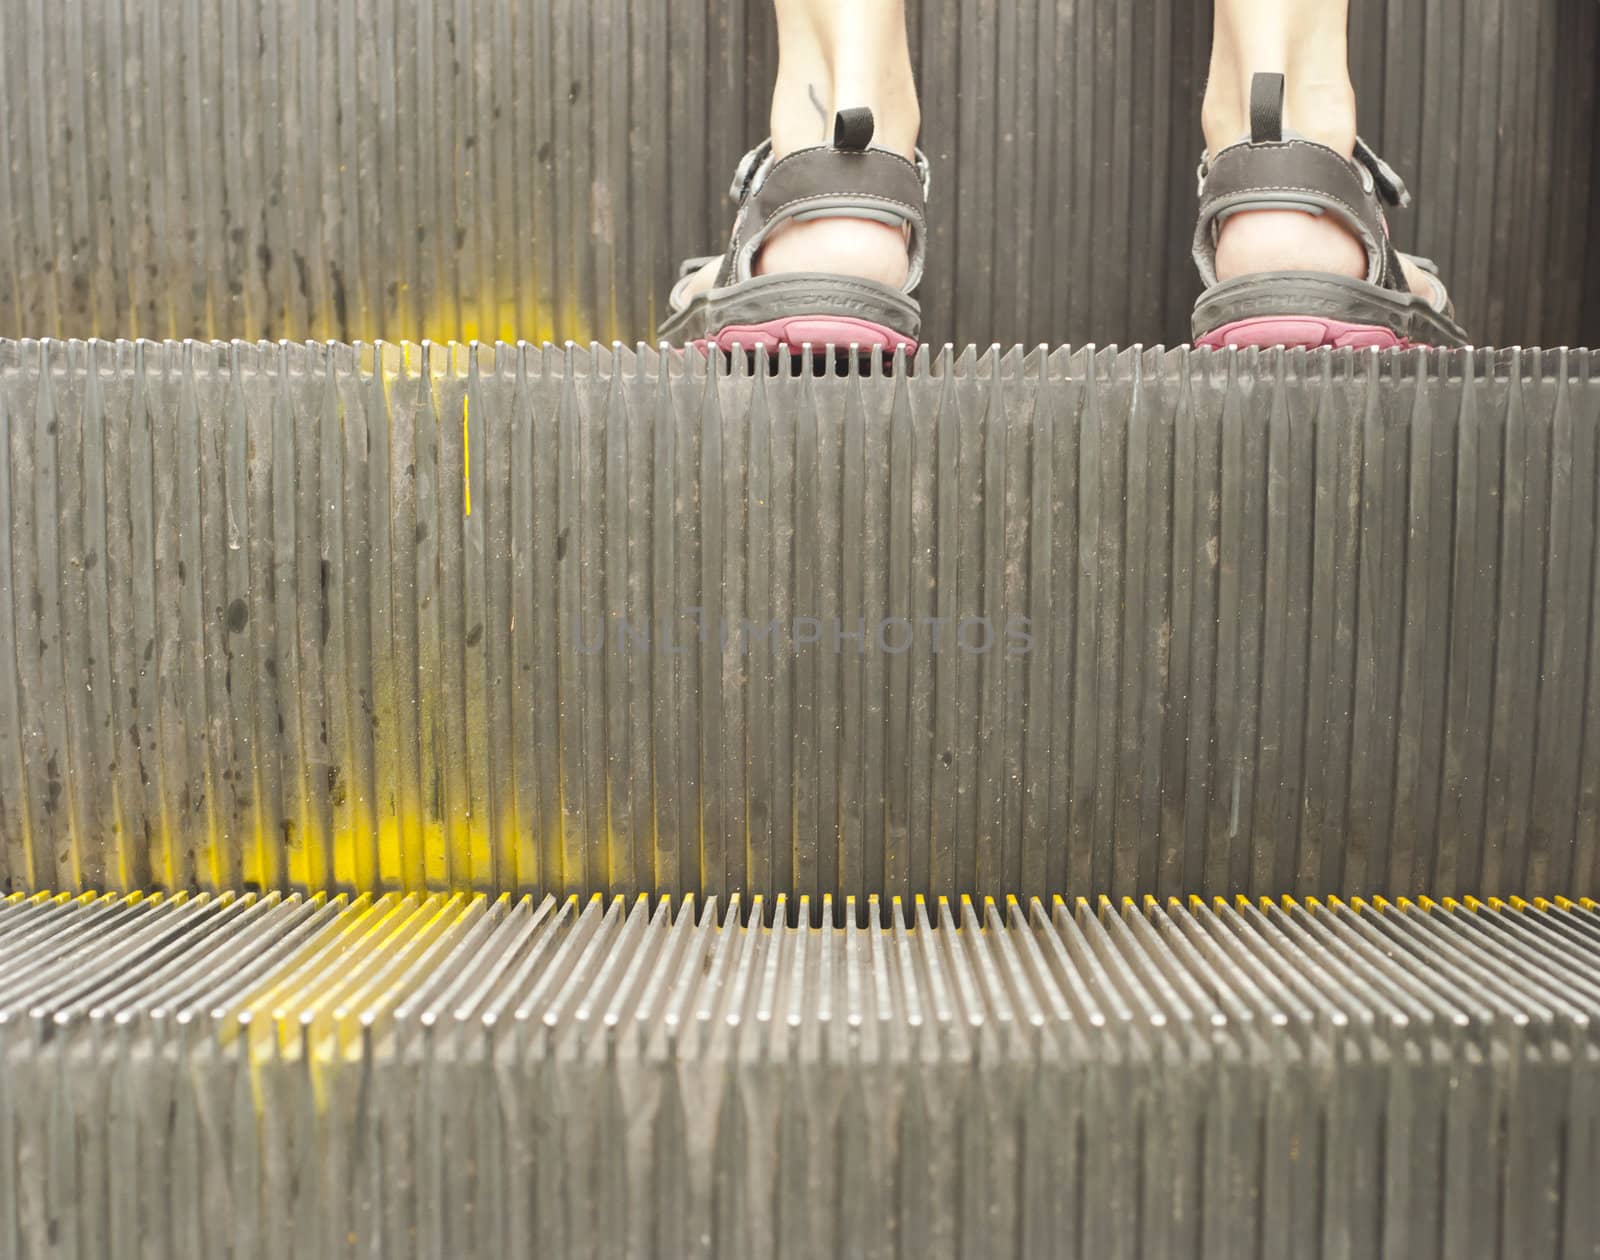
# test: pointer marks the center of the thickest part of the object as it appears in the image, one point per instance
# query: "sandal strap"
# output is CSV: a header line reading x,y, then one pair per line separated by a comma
x,y
1385,179
744,175
844,179
1441,296
1278,170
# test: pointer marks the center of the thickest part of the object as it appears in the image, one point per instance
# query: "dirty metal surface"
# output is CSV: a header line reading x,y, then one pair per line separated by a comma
x,y
565,620
471,1076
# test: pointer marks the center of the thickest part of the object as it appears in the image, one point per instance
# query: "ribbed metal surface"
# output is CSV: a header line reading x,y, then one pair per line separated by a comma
x,y
465,1077
536,168
322,617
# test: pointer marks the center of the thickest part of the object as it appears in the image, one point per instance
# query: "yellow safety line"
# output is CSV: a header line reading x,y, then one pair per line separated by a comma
x,y
466,454
255,1011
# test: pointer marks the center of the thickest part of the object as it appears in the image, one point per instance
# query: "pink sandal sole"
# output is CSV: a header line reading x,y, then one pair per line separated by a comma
x,y
797,331
1302,332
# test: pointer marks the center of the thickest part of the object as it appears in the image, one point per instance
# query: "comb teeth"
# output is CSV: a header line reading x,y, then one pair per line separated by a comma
x,y
460,1075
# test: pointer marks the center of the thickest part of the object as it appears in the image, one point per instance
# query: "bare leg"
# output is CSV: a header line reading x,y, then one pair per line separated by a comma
x,y
833,55
1305,41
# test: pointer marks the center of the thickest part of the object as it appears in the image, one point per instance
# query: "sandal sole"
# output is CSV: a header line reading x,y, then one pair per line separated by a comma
x,y
1314,310
799,331
1302,333
796,309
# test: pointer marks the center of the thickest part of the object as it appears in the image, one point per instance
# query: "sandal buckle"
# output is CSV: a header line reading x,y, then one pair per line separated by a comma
x,y
744,174
1375,172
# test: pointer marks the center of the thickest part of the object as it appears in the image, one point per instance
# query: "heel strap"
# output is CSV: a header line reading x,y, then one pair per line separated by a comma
x,y
844,179
1277,169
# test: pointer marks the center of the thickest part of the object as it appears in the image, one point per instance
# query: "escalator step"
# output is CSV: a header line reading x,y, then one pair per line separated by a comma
x,y
453,1074
567,620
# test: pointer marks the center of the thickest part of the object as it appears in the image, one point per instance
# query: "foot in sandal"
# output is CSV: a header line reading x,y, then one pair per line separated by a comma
x,y
828,243
1293,239
827,249
1334,280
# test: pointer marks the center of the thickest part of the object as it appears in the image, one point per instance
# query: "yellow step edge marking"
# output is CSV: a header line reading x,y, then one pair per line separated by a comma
x,y
383,951
254,1010
298,1022
371,1005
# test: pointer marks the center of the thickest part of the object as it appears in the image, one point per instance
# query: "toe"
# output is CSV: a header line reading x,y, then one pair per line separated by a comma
x,y
1424,283
696,283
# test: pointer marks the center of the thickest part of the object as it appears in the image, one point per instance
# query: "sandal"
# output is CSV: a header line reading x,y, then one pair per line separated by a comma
x,y
843,180
1275,170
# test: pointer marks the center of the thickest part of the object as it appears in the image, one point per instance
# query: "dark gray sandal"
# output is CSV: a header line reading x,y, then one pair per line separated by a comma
x,y
846,179
1275,170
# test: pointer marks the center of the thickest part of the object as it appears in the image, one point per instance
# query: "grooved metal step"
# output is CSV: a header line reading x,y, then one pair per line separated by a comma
x,y
455,1075
566,620
600,801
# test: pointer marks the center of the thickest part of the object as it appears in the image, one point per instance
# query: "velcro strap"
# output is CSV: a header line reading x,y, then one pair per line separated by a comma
x,y
1385,179
749,164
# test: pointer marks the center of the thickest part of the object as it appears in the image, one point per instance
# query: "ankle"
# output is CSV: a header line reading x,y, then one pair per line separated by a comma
x,y
896,113
803,112
1323,110
1319,106
897,123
